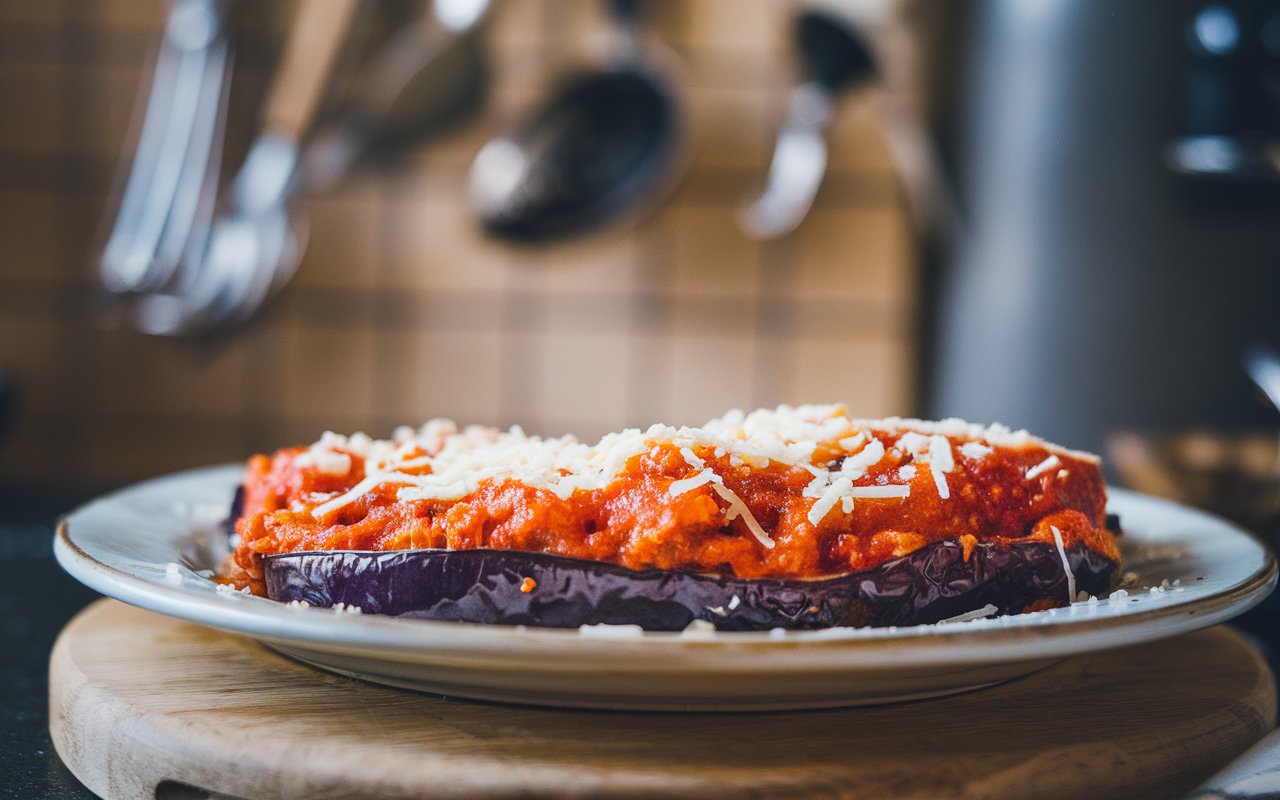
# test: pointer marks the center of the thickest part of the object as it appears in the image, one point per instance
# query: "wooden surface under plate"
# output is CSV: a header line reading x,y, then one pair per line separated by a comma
x,y
138,699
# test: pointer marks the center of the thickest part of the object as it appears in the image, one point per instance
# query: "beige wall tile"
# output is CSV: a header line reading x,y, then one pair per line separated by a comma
x,y
857,136
521,76
579,380
706,376
710,255
855,253
30,348
275,432
148,14
706,315
30,235
599,263
518,25
730,127
872,376
343,247
430,374
327,371
124,449
580,27
34,94
438,243
107,96
28,456
586,314
137,374
46,12
757,27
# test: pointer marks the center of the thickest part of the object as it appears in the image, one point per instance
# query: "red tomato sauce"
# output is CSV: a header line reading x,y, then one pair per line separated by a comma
x,y
635,522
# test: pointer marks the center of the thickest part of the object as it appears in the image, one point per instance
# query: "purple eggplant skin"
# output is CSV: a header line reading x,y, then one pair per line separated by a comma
x,y
928,585
237,510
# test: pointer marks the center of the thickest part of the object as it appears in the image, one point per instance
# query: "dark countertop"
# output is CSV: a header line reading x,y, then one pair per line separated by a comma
x,y
36,600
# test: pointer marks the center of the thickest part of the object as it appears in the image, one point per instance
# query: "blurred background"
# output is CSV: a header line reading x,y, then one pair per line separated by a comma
x,y
1057,214
227,226
402,308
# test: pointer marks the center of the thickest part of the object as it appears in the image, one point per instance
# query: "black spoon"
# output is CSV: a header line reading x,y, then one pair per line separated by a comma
x,y
836,57
606,142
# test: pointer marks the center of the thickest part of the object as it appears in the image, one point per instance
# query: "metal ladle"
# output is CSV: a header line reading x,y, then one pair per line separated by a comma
x,y
253,247
168,196
606,142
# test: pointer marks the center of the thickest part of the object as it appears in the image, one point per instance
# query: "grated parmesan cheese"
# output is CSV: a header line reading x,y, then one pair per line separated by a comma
x,y
977,613
837,487
1066,565
737,508
441,461
324,461
173,574
853,442
975,450
1043,467
698,627
691,458
880,491
941,462
683,485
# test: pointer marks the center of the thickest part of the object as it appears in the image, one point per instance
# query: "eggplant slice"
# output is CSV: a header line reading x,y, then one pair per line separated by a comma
x,y
511,587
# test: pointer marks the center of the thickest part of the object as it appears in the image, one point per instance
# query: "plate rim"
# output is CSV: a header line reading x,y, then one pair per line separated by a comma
x,y
389,636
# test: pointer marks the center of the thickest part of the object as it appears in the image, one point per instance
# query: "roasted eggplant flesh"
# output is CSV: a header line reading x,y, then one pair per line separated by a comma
x,y
510,587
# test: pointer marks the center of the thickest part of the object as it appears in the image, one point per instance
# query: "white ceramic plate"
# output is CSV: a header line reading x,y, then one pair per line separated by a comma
x,y
145,544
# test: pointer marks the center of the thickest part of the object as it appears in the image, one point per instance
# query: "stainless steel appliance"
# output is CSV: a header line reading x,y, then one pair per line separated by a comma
x,y
1104,282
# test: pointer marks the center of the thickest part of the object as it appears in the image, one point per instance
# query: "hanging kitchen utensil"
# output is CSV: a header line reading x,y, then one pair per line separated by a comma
x,y
254,245
865,47
431,75
607,142
836,58
168,196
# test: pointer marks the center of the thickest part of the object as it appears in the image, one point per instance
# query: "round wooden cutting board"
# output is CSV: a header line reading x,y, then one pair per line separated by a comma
x,y
140,701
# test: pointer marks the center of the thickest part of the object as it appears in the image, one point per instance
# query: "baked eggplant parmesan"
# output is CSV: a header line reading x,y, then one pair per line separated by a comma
x,y
794,517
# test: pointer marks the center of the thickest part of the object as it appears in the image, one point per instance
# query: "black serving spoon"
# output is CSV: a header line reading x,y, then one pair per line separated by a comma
x,y
836,56
606,142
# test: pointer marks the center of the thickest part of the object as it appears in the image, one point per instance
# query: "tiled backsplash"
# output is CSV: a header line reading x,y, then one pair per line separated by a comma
x,y
403,310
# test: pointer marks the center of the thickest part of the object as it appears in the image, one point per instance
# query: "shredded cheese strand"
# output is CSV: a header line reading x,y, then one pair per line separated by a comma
x,y
880,492
356,492
737,508
691,458
1043,467
1066,565
683,485
977,613
456,462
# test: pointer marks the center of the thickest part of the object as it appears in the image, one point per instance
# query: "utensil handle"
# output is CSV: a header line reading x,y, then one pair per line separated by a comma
x,y
314,41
